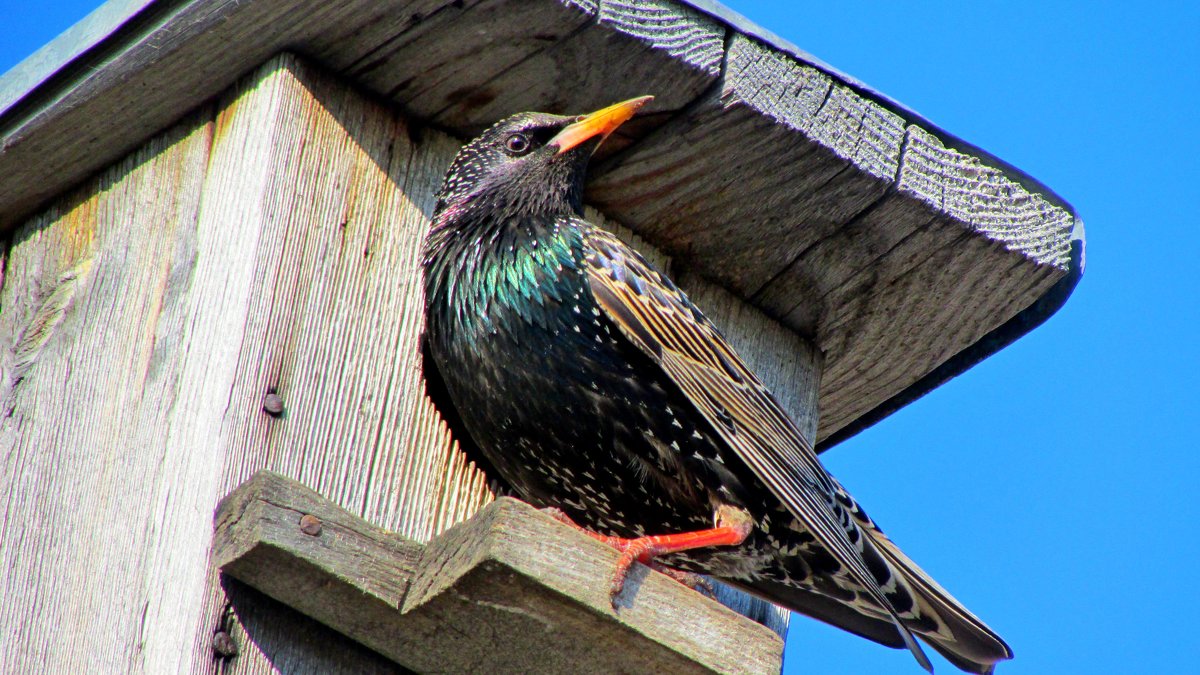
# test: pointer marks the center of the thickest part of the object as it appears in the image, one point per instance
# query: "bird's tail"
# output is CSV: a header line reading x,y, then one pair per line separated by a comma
x,y
959,635
936,617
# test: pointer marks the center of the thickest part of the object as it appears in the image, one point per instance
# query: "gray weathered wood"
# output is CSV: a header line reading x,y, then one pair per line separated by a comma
x,y
270,243
445,60
689,36
345,572
699,191
560,56
510,590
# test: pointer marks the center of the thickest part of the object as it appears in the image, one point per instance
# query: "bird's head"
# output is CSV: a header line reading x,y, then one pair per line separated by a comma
x,y
529,164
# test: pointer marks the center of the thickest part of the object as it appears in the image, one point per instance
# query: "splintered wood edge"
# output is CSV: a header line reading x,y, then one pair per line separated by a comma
x,y
509,585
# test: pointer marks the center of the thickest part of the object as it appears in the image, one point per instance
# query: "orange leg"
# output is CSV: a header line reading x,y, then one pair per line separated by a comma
x,y
645,549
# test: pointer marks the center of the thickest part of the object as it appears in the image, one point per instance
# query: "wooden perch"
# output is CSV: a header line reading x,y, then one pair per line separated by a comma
x,y
509,590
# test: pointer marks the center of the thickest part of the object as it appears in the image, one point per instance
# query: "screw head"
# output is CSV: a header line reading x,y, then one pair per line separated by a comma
x,y
310,525
273,404
223,645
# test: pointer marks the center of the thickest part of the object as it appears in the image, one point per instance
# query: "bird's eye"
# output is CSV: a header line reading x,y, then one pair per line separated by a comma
x,y
517,144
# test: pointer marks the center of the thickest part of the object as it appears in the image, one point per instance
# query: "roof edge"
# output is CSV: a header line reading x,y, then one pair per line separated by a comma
x,y
42,76
35,70
750,29
1000,337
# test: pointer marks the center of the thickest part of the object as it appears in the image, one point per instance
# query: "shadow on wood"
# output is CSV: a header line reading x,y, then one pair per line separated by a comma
x,y
508,589
291,643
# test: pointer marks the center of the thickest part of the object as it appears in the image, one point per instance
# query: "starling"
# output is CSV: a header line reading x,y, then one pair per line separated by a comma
x,y
592,385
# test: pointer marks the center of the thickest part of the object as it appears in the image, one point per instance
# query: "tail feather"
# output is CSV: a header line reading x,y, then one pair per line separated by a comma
x,y
823,608
962,638
941,621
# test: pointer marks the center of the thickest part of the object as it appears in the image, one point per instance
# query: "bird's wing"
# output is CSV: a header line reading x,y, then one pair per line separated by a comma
x,y
657,317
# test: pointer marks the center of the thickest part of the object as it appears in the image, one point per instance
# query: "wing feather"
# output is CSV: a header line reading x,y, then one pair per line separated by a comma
x,y
697,358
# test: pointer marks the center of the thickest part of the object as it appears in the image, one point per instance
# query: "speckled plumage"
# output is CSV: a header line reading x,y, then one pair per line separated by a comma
x,y
592,384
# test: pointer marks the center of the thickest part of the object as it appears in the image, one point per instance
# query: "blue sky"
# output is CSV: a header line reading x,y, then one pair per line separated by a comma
x,y
1051,488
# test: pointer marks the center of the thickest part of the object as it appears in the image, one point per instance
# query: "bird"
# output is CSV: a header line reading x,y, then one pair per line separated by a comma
x,y
595,388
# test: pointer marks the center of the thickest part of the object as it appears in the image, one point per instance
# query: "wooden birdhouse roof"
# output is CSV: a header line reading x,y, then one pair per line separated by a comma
x,y
904,253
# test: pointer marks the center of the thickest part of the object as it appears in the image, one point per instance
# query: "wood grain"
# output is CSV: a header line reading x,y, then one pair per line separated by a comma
x,y
445,60
271,245
687,35
332,315
700,186
91,308
984,198
508,588
446,69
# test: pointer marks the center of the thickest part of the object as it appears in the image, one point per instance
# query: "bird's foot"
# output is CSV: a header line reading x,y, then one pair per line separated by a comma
x,y
697,582
561,516
646,549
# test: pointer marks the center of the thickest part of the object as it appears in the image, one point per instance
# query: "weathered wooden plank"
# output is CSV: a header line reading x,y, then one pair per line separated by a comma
x,y
531,551
908,298
342,208
446,68
687,35
445,58
914,315
341,200
149,330
984,198
83,373
777,159
173,58
337,568
676,53
297,644
505,587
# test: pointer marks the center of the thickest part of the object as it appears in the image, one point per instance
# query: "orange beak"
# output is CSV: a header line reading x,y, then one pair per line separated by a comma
x,y
600,123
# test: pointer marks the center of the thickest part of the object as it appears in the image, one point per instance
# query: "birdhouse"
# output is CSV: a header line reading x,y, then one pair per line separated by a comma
x,y
219,442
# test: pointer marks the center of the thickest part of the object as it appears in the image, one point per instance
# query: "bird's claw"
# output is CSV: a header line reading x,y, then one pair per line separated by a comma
x,y
644,550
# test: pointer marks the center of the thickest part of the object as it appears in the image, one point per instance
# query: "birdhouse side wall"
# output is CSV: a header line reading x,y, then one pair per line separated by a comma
x,y
241,292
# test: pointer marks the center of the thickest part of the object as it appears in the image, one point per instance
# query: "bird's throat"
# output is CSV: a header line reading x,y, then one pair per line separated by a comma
x,y
481,275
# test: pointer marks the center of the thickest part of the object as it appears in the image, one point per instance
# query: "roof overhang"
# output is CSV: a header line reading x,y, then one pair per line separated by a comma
x,y
904,253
